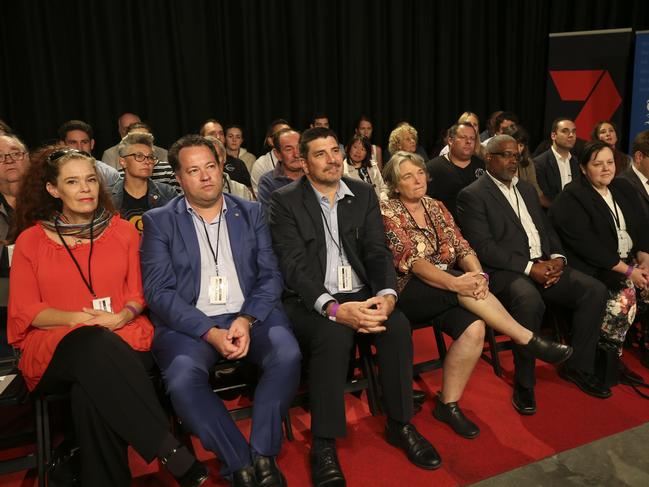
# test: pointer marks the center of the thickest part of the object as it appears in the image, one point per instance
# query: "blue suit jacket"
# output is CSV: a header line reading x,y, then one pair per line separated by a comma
x,y
170,258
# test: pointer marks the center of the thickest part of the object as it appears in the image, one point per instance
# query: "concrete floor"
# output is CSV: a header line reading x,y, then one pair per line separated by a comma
x,y
615,461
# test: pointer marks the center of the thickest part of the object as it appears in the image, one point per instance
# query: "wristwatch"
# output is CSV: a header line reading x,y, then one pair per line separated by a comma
x,y
251,319
323,311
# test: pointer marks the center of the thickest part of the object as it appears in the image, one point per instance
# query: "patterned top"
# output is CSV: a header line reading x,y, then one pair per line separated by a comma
x,y
440,243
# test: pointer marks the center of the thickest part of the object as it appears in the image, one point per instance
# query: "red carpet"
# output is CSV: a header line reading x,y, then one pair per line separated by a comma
x,y
566,418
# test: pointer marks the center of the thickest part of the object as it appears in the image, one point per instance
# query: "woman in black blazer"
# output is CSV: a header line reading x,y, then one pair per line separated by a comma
x,y
600,222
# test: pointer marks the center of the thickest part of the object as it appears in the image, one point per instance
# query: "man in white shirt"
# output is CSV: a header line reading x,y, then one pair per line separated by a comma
x,y
556,167
503,221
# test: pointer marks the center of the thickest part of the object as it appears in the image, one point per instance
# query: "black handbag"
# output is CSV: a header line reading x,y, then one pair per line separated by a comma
x,y
607,361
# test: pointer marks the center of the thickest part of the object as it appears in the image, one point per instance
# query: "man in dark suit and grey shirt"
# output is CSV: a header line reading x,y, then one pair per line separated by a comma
x,y
329,238
638,173
502,219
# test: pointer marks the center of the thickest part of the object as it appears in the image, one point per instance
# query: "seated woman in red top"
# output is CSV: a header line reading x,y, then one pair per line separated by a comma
x,y
75,309
440,279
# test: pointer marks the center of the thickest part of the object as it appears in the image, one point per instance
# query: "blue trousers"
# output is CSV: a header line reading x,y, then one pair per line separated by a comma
x,y
185,362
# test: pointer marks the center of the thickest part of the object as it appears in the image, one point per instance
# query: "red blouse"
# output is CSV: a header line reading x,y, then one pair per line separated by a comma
x,y
44,276
443,245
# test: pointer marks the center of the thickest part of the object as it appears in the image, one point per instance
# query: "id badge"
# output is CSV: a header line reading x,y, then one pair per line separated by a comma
x,y
218,289
344,278
624,243
10,253
102,304
442,267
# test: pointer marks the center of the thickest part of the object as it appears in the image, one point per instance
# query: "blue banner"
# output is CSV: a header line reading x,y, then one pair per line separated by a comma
x,y
640,99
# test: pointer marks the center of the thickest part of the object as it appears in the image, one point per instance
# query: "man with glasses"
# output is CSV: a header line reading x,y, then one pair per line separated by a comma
x,y
502,219
456,169
77,134
556,167
137,192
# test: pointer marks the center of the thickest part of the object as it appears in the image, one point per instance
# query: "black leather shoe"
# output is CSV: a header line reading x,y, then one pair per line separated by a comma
x,y
547,350
268,473
418,397
523,400
418,449
244,477
585,381
451,414
325,469
627,376
195,476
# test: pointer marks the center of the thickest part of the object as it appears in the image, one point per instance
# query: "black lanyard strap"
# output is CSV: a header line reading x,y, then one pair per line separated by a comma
x,y
87,282
215,255
337,244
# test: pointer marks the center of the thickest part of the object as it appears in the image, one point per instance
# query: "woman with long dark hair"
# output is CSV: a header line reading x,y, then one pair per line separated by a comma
x,y
75,312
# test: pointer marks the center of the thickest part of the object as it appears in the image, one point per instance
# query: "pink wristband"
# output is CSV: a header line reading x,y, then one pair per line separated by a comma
x,y
133,310
629,271
334,310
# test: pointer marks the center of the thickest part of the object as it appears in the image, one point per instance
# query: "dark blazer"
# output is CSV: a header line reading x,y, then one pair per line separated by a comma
x,y
587,228
299,238
548,175
633,178
171,267
493,228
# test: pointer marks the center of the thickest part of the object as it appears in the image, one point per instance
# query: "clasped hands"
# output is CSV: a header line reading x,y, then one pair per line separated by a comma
x,y
471,284
233,343
111,321
547,272
366,316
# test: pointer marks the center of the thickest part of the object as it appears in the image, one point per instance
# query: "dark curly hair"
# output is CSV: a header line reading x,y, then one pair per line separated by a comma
x,y
34,203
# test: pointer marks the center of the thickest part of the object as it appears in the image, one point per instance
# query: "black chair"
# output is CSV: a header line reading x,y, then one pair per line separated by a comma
x,y
432,364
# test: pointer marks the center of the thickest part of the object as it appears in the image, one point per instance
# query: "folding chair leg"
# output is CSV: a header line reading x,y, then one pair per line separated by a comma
x,y
372,381
40,447
493,350
288,427
441,344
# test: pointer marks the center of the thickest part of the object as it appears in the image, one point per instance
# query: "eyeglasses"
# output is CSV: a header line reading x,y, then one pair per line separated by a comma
x,y
139,157
514,156
12,156
57,154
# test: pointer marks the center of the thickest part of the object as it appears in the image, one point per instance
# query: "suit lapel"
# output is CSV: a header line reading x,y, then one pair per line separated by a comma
x,y
312,207
635,180
188,234
502,201
236,234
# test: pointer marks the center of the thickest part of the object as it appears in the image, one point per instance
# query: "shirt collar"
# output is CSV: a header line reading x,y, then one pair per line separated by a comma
x,y
193,213
342,191
558,156
642,177
500,184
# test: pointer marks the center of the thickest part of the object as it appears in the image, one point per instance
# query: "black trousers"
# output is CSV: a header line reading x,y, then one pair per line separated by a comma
x,y
525,300
327,346
113,403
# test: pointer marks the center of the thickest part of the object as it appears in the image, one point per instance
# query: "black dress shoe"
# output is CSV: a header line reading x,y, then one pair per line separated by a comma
x,y
451,414
418,449
627,376
418,397
523,400
325,469
244,477
268,473
547,350
195,476
586,382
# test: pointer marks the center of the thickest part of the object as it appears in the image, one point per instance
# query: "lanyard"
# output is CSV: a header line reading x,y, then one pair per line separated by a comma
x,y
209,242
337,244
88,282
615,215
518,207
417,227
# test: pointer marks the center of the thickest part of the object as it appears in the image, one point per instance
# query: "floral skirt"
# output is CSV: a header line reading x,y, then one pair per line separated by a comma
x,y
621,309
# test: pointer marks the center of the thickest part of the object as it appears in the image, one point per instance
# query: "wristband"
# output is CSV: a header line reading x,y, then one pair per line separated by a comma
x,y
133,310
334,310
629,271
486,276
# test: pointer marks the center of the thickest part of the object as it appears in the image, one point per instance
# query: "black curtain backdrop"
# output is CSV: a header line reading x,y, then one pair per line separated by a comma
x,y
176,63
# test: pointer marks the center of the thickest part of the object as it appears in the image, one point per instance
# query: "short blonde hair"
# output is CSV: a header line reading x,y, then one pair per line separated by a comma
x,y
392,170
398,134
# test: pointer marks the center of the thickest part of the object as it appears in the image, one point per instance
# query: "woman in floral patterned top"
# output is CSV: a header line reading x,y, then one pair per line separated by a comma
x,y
440,280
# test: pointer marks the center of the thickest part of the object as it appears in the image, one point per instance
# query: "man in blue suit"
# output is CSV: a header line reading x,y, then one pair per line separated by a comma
x,y
213,286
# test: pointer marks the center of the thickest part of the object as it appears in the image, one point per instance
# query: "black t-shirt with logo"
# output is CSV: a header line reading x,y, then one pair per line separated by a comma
x,y
447,179
133,208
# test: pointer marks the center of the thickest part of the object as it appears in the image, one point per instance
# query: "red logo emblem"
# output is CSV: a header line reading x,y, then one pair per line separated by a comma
x,y
596,89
